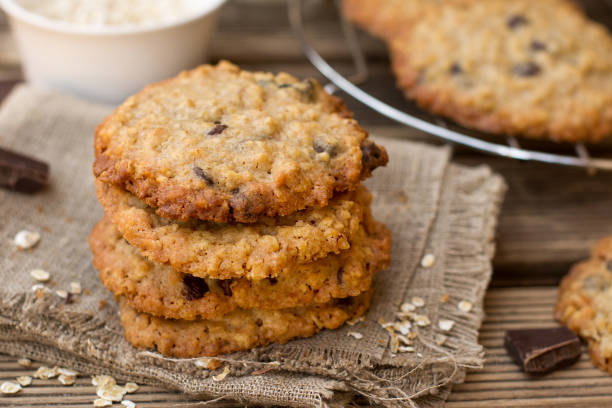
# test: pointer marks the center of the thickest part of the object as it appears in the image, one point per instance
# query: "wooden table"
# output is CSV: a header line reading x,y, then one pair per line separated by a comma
x,y
551,216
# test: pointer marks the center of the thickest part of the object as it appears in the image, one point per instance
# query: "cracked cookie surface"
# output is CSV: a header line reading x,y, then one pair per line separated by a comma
x,y
220,144
239,330
234,250
585,303
529,68
160,290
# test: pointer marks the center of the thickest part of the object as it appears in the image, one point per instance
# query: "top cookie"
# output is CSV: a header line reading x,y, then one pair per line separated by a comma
x,y
220,144
530,68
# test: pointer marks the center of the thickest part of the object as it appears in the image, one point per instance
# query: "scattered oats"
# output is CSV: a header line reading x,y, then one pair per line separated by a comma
x,y
404,339
67,379
465,306
428,261
419,355
112,392
444,298
422,320
445,324
403,327
128,404
418,301
75,288
131,387
25,380
412,335
356,320
24,362
40,275
101,402
10,387
26,239
221,377
102,380
38,286
44,373
68,372
394,343
441,339
356,335
406,349
61,293
408,307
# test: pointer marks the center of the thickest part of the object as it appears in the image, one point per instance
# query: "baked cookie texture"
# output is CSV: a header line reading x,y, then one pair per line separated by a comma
x,y
585,303
540,69
220,144
239,330
223,251
162,291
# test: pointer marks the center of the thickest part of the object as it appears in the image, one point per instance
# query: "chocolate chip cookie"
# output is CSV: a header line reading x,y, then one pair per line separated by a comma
x,y
223,251
160,290
239,330
220,144
529,68
585,303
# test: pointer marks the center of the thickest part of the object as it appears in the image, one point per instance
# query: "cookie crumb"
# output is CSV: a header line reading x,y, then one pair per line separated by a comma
x,y
26,239
445,324
101,304
40,275
221,377
428,261
10,387
356,335
465,306
418,301
444,298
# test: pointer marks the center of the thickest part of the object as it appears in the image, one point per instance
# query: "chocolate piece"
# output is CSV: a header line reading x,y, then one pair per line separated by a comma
x,y
203,175
195,288
526,69
22,173
339,275
226,286
217,130
456,69
516,21
537,45
538,351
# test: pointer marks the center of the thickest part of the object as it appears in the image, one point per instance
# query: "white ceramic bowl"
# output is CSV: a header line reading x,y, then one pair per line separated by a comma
x,y
109,63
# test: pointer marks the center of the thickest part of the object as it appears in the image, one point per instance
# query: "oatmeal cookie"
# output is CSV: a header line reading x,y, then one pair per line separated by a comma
x,y
223,251
585,303
540,69
160,290
239,330
220,144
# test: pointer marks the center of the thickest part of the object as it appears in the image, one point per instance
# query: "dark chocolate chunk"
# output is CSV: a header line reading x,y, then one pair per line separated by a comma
x,y
22,173
225,285
372,156
456,69
217,130
321,147
308,90
203,175
339,275
69,298
526,69
194,287
538,351
273,281
259,322
515,21
537,45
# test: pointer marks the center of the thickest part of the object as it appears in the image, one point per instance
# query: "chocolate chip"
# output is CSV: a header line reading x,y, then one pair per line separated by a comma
x,y
347,301
225,285
203,175
69,298
273,281
217,130
609,265
308,90
537,45
321,147
194,287
258,322
22,173
456,69
515,21
527,69
372,156
339,275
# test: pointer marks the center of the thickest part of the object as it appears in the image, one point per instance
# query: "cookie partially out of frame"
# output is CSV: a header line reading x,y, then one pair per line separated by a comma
x,y
220,144
540,68
239,330
223,251
160,290
585,303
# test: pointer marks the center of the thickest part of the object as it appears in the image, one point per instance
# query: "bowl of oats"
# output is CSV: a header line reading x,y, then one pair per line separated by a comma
x,y
106,50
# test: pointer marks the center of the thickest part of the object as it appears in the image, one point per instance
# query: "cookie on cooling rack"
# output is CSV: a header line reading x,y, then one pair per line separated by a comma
x,y
239,330
585,303
530,68
162,291
220,144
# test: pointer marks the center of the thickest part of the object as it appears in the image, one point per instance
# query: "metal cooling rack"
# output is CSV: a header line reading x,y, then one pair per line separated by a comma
x,y
580,156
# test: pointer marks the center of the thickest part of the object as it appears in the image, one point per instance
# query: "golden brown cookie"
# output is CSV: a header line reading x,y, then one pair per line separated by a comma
x,y
585,303
223,251
528,68
220,144
160,290
239,330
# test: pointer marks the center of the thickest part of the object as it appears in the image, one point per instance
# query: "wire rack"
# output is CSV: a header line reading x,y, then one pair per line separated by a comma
x,y
578,156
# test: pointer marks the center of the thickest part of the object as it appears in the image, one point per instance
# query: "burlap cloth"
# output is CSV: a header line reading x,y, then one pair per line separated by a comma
x,y
432,207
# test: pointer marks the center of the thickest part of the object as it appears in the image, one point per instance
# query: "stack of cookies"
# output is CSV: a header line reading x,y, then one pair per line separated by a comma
x,y
234,212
